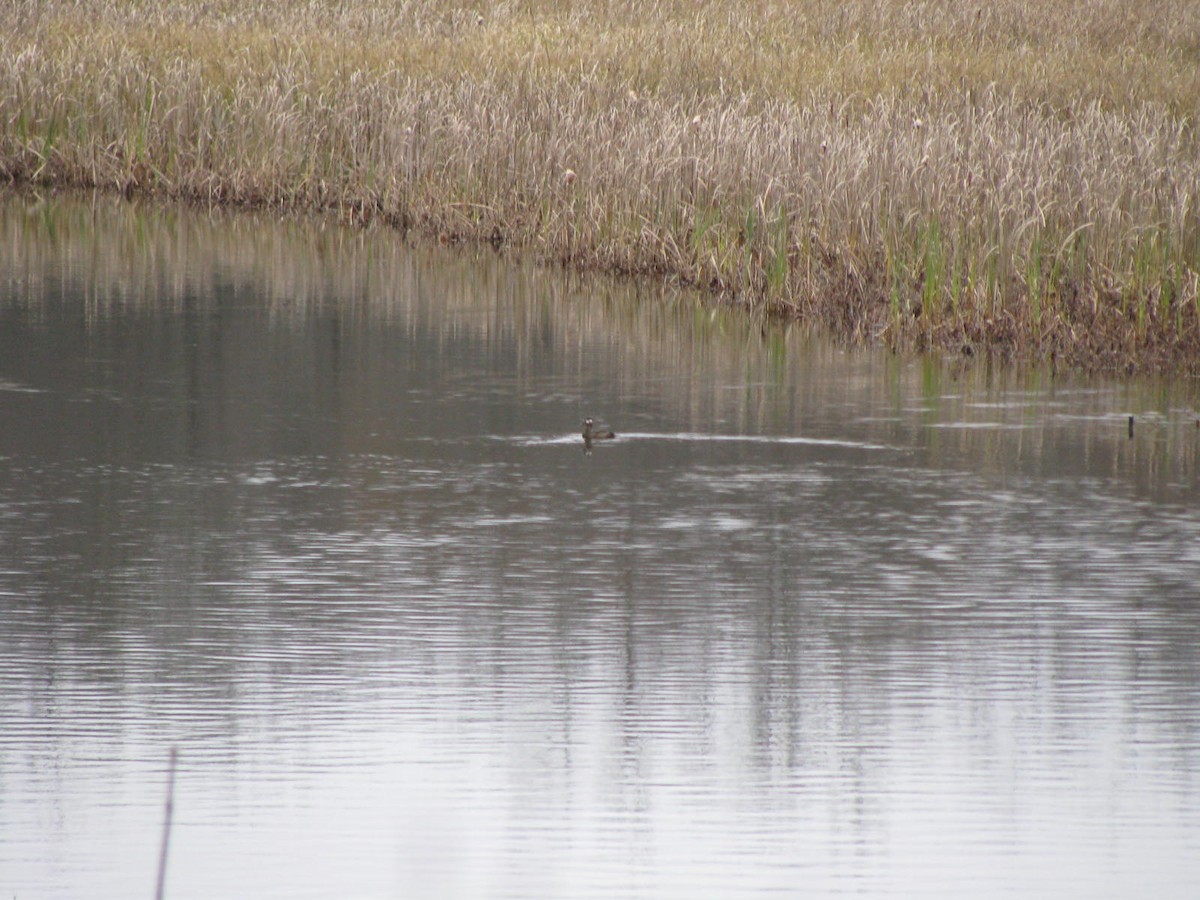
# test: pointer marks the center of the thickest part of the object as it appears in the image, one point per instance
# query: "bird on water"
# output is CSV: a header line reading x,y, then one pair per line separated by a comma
x,y
592,433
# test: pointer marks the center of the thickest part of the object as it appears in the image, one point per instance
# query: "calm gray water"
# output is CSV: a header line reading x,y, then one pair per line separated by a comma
x,y
312,506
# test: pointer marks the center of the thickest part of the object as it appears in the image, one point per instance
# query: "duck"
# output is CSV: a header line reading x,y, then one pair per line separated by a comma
x,y
591,433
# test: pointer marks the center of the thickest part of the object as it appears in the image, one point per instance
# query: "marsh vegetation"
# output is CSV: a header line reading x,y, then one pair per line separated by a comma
x,y
1011,177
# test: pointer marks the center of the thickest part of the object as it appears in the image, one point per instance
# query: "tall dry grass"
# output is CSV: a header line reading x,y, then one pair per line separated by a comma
x,y
1020,176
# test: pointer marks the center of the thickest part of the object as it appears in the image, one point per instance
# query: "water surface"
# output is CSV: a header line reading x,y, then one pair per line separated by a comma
x,y
311,505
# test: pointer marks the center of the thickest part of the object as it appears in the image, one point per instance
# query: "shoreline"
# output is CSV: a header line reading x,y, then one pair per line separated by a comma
x,y
798,170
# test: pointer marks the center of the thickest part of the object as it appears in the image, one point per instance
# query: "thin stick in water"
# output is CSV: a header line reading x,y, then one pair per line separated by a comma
x,y
166,835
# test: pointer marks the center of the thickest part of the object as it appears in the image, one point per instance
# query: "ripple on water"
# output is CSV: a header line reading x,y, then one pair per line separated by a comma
x,y
810,623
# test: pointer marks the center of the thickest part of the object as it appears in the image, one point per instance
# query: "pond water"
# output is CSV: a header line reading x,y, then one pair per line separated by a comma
x,y
311,506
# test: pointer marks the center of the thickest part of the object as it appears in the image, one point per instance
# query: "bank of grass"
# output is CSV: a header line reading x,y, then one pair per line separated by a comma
x,y
1019,176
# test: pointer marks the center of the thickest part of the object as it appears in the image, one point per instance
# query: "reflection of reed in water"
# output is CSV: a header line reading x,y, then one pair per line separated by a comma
x,y
707,364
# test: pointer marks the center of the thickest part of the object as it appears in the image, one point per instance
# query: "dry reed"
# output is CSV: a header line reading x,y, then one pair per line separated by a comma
x,y
1017,176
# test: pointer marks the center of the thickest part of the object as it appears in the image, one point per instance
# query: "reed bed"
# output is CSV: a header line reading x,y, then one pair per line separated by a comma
x,y
1016,177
